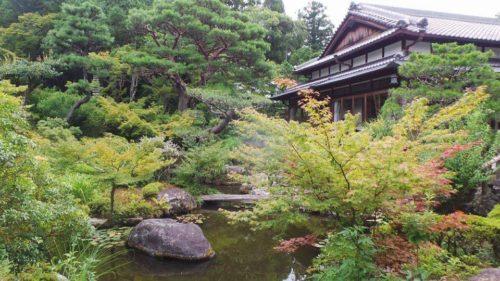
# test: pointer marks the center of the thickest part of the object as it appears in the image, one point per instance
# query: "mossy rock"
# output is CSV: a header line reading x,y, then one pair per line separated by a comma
x,y
178,200
151,190
167,238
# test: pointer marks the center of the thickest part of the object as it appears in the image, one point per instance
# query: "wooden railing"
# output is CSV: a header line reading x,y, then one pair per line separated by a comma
x,y
492,164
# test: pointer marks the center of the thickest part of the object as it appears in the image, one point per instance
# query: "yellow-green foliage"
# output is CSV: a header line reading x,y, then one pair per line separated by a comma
x,y
36,211
485,231
186,128
331,167
131,120
438,263
495,213
8,88
130,203
152,189
121,162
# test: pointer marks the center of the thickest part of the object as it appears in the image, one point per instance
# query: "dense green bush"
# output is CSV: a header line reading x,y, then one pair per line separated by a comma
x,y
84,187
51,103
99,206
131,204
483,237
56,129
435,263
129,120
90,119
151,190
347,255
187,128
205,164
36,212
467,164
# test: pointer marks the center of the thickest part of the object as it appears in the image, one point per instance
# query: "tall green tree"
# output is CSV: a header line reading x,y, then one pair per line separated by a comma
x,y
24,37
240,5
117,18
80,30
197,42
275,5
10,10
283,33
444,74
225,103
30,73
319,27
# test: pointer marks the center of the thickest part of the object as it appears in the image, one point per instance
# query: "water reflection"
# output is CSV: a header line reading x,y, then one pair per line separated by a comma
x,y
240,255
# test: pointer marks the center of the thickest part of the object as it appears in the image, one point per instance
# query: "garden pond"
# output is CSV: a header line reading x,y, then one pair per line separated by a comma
x,y
241,254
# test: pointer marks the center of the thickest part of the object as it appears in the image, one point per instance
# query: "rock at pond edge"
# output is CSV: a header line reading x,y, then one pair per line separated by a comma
x,y
168,238
488,274
179,200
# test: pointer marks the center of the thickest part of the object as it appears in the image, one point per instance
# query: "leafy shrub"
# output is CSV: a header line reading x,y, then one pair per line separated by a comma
x,y
90,119
83,187
56,129
36,212
418,226
483,237
436,263
5,267
130,204
129,120
204,165
151,190
99,206
347,255
495,213
187,128
51,103
393,252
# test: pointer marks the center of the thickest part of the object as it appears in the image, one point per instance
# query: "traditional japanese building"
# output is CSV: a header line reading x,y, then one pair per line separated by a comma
x,y
359,65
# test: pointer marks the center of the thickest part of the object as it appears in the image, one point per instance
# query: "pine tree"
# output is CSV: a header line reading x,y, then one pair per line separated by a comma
x,y
318,25
284,34
196,42
80,31
240,5
275,5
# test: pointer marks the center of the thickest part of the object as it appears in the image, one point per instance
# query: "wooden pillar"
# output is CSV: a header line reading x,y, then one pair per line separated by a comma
x,y
336,111
292,110
365,109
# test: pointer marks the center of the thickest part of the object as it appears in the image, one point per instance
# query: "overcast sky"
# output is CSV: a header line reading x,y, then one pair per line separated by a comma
x,y
337,9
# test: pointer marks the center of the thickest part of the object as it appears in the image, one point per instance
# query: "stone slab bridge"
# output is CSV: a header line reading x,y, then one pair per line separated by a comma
x,y
221,198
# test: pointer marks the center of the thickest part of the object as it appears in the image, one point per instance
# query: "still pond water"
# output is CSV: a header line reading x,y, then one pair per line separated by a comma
x,y
241,255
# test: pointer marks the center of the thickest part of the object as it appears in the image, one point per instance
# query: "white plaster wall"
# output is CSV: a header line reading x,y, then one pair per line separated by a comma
x,y
392,49
375,55
358,61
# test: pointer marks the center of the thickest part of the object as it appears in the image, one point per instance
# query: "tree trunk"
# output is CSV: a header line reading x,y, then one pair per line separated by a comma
x,y
223,123
133,86
181,90
76,106
85,74
28,93
112,200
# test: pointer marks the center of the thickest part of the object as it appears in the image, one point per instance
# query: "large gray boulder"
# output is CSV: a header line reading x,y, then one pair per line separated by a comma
x,y
168,238
489,274
179,200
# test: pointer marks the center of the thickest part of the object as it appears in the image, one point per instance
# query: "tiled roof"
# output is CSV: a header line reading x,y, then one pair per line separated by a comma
x,y
431,23
341,76
442,24
347,50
